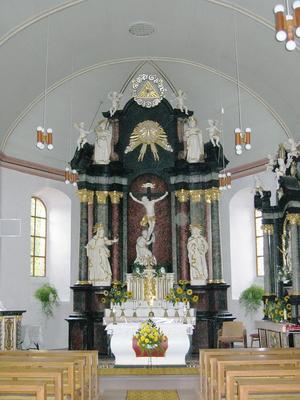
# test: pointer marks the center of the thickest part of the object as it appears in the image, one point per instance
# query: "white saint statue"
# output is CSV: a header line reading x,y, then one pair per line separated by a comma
x,y
144,256
181,96
194,142
82,134
214,132
98,257
149,218
115,98
103,142
197,247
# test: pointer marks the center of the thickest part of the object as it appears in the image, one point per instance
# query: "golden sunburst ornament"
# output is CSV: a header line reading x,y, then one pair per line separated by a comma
x,y
148,133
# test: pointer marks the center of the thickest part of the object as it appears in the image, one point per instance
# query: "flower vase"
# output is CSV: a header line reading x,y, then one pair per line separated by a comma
x,y
176,311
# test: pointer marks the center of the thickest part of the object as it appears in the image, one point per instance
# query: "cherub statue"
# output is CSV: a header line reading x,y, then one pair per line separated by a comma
x,y
258,188
270,164
82,134
181,96
115,98
214,132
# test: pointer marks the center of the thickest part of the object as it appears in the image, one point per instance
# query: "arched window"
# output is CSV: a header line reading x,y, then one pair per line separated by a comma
x,y
38,237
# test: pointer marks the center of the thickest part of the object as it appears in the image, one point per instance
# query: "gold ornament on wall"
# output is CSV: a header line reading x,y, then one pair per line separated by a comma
x,y
148,133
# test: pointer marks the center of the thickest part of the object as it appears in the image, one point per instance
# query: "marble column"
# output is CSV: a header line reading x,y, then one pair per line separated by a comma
x,y
207,195
85,196
294,221
183,213
216,239
115,198
90,216
269,272
101,209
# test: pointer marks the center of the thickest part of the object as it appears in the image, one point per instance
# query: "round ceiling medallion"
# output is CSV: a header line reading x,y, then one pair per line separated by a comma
x,y
141,29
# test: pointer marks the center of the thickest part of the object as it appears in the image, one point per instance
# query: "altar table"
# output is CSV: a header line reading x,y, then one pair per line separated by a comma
x,y
178,335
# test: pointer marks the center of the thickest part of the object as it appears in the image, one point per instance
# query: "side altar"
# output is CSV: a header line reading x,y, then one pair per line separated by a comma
x,y
149,217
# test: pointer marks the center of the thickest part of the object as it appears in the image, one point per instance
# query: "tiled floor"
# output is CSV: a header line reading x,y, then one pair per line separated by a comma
x,y
115,387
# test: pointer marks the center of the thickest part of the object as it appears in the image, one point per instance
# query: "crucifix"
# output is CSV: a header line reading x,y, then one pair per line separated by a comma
x,y
149,218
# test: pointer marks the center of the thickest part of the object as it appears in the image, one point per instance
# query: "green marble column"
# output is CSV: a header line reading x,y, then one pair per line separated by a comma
x,y
101,209
85,197
294,221
269,270
216,239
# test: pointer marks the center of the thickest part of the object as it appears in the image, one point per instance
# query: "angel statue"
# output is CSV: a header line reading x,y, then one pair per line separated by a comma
x,y
181,96
194,142
214,132
82,134
102,143
115,98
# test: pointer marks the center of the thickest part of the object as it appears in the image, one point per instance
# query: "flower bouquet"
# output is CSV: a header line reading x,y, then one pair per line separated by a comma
x,y
181,294
149,341
118,293
279,309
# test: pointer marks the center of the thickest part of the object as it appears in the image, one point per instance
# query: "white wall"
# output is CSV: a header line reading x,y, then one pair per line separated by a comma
x,y
238,240
16,286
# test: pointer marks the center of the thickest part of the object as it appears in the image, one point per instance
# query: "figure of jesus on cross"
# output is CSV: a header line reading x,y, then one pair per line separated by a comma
x,y
149,218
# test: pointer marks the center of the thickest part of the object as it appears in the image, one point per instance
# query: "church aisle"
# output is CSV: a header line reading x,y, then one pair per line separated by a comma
x,y
116,387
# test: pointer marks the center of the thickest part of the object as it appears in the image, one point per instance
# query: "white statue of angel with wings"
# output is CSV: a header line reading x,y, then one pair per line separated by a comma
x,y
115,98
214,132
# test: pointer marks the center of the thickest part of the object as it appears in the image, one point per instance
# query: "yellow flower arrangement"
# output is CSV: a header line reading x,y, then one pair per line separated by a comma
x,y
277,309
149,336
181,294
118,293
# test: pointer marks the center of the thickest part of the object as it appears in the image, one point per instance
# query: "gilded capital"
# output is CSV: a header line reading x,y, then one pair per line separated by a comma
x,y
268,229
101,196
115,197
293,219
207,195
85,196
182,195
215,194
196,195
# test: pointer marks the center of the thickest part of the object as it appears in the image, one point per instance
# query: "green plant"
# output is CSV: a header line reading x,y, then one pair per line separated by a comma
x,y
251,298
48,296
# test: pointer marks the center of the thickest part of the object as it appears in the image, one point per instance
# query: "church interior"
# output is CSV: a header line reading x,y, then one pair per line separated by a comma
x,y
149,200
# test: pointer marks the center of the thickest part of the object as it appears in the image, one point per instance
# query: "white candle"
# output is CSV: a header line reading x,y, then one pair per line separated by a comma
x,y
284,315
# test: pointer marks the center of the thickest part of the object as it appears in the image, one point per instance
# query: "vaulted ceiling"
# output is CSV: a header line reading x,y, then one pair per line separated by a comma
x,y
91,53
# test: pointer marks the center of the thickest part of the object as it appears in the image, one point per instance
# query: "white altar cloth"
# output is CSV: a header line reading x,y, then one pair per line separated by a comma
x,y
178,335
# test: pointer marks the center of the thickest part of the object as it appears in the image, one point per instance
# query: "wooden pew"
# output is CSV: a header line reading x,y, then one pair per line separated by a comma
x,y
256,371
70,386
90,365
219,364
207,354
38,390
284,386
52,377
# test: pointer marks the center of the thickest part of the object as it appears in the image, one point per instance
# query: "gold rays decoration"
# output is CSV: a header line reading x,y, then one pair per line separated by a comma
x,y
148,133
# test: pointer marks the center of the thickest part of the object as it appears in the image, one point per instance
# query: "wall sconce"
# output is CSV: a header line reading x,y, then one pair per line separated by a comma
x,y
225,181
71,176
288,25
242,139
43,138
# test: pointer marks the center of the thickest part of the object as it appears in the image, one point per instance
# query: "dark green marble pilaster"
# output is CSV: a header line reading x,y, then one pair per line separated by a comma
x,y
197,209
216,239
101,209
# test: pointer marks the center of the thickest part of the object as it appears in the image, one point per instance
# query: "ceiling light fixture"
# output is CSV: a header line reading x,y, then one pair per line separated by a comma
x,y
141,29
43,138
242,138
287,26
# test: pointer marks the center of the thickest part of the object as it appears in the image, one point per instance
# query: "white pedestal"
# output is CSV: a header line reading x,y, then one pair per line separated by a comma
x,y
178,343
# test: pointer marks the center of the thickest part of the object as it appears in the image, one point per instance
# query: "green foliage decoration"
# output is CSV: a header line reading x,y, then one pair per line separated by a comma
x,y
48,297
251,298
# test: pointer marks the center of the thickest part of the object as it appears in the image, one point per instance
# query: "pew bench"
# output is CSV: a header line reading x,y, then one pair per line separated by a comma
x,y
30,388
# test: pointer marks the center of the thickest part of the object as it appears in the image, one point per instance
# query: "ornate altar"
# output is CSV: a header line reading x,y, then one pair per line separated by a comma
x,y
160,180
10,329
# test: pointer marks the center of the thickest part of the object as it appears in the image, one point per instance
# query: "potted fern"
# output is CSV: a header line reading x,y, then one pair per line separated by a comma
x,y
251,298
48,297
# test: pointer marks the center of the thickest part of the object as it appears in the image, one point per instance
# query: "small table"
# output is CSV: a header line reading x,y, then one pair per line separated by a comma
x,y
178,335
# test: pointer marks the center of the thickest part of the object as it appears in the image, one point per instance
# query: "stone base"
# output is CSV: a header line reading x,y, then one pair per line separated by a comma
x,y
198,282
